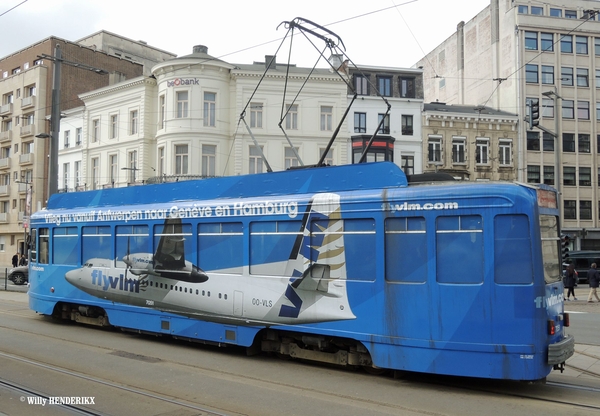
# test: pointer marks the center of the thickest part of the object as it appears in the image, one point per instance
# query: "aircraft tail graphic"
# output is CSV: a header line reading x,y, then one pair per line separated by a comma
x,y
319,253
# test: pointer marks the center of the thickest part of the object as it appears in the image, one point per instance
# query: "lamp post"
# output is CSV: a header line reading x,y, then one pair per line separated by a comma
x,y
132,169
27,213
557,142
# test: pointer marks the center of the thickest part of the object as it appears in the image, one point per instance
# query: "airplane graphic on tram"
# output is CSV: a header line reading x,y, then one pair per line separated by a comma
x,y
315,292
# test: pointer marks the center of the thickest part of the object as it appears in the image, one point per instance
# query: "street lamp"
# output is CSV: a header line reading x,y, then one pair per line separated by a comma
x,y
27,213
558,143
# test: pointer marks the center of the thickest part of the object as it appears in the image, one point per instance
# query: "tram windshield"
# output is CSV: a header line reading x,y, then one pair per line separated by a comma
x,y
550,248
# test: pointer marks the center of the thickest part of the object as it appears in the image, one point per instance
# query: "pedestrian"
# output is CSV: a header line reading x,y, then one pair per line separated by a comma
x,y
23,261
594,282
15,260
570,281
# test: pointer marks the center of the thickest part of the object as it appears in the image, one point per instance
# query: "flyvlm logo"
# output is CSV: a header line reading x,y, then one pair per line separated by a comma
x,y
183,81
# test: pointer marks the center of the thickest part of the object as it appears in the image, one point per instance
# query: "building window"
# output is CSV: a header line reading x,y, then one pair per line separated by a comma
x,y
523,9
584,143
539,11
78,136
568,109
533,140
66,167
407,87
114,126
569,176
570,210
566,76
408,165
360,122
407,125
256,115
533,174
182,104
210,109
161,112
326,118
384,85
583,77
458,149
566,44
209,153
112,168
133,122
95,172
181,159
549,175
67,135
291,119
556,12
568,142
255,160
482,149
290,159
385,126
548,140
95,131
571,14
531,74
583,110
132,166
77,174
585,176
547,42
505,152
161,161
585,210
547,107
597,46
531,40
361,84
328,159
581,45
435,150
547,74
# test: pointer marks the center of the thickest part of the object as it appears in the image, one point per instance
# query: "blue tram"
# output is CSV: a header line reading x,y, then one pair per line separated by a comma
x,y
350,265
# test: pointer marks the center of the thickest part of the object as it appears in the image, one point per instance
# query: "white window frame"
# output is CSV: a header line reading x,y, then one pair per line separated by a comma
x,y
482,149
505,152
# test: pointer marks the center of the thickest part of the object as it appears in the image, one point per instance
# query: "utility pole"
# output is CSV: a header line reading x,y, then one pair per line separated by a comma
x,y
55,114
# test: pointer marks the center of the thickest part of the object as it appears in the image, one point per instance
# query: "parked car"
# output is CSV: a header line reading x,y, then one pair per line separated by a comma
x,y
582,260
19,275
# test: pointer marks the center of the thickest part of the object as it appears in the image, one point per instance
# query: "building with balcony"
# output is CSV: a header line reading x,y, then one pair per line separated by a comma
x,y
516,52
25,107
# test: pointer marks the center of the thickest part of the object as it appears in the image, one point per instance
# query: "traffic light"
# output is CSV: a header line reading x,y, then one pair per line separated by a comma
x,y
534,113
564,243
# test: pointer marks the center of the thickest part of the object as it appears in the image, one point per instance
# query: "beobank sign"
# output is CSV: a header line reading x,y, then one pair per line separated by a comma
x,y
183,81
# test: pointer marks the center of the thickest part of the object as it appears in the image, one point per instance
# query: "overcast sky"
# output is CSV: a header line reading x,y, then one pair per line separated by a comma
x,y
395,33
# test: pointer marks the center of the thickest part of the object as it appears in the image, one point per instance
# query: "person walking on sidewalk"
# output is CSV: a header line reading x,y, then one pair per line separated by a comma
x,y
570,281
594,282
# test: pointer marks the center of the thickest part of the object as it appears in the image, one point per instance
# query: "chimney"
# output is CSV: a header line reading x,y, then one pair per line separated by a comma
x,y
201,49
270,60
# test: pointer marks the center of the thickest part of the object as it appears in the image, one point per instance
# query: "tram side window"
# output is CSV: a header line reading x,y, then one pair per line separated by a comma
x,y
33,245
173,245
220,247
134,240
459,249
357,239
512,250
271,243
44,243
405,250
96,243
64,246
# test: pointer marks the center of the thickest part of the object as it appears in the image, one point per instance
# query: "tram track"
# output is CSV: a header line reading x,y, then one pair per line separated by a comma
x,y
258,381
204,411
